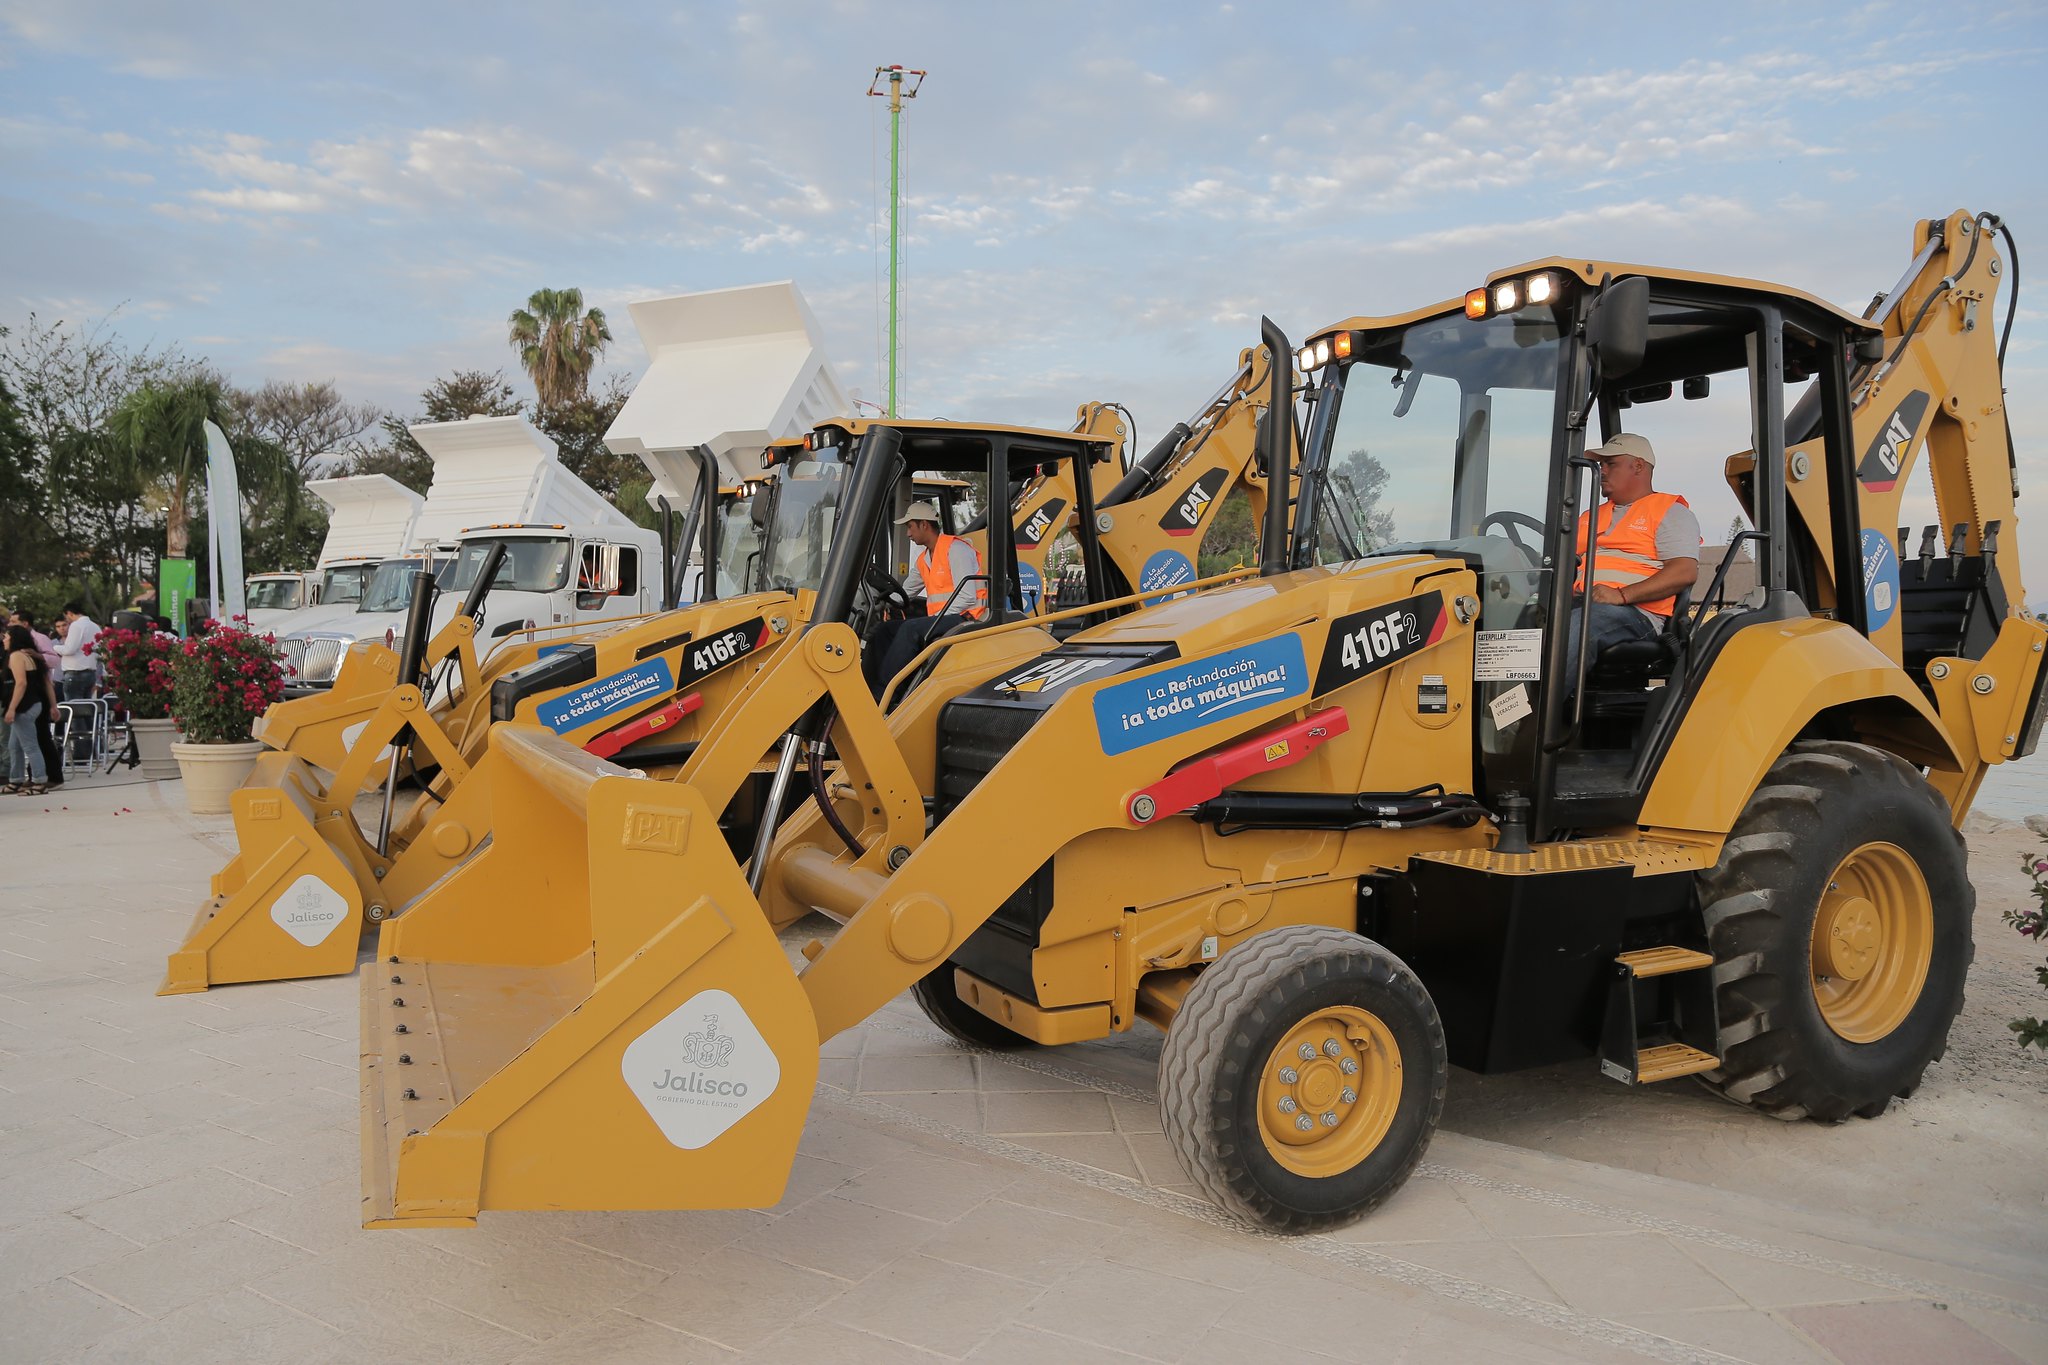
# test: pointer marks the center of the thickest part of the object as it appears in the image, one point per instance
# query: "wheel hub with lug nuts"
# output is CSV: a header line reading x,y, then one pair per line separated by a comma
x,y
1873,941
1329,1091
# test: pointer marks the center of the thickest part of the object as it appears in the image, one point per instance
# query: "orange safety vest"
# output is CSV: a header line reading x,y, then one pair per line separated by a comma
x,y
1628,552
935,570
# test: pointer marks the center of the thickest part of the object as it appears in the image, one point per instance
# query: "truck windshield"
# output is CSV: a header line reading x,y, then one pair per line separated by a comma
x,y
345,583
274,594
391,586
531,565
806,511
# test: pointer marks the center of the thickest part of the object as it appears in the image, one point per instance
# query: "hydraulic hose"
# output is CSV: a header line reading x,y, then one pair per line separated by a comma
x,y
824,800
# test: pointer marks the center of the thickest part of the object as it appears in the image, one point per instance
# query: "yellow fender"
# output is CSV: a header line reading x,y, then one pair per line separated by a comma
x,y
1767,683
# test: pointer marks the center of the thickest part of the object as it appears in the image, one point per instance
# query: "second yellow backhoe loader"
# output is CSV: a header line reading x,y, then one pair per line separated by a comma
x,y
1331,829
307,876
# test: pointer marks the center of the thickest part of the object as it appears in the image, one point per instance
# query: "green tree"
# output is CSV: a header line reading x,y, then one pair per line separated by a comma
x,y
558,342
159,436
25,542
577,427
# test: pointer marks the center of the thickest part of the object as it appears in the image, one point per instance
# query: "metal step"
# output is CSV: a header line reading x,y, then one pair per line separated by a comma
x,y
1671,1059
1664,960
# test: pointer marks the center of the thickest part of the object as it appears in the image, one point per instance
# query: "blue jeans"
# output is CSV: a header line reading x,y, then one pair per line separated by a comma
x,y
22,749
1612,623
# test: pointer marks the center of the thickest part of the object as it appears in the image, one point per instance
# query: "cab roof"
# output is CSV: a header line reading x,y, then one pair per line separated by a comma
x,y
1593,272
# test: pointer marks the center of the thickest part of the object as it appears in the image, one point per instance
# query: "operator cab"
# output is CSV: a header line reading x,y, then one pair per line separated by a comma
x,y
1462,432
873,470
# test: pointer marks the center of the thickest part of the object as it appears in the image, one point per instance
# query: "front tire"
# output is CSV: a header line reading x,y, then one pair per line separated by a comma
x,y
1303,1078
1839,919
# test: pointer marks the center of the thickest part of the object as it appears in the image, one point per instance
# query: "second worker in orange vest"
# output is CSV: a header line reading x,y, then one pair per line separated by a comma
x,y
939,568
1648,550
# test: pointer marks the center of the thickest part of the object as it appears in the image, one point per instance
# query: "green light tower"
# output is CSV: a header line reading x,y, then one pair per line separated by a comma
x,y
900,85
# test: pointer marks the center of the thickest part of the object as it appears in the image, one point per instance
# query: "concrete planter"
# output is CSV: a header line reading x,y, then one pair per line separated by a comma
x,y
153,741
213,771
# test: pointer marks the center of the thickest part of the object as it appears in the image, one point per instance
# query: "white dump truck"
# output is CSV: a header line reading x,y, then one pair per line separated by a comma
x,y
369,519
729,371
571,557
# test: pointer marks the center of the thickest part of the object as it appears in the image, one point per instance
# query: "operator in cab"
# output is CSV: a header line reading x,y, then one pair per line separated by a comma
x,y
940,565
1648,550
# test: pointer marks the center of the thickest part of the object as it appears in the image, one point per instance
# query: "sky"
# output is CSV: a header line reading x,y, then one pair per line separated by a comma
x,y
1101,199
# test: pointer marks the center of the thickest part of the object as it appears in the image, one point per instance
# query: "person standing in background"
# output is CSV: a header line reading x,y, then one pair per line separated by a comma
x,y
46,739
74,652
25,693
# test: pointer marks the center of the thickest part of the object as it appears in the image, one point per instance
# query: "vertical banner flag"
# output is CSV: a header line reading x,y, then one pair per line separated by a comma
x,y
224,527
176,583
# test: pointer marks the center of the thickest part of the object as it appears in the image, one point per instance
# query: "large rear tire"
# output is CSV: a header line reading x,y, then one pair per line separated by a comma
x,y
1839,919
1303,1077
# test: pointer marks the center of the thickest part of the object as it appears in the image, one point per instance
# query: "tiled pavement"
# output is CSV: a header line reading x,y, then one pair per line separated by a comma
x,y
178,1182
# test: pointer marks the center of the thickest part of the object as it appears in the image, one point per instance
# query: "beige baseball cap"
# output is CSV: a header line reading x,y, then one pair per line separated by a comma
x,y
1626,443
920,511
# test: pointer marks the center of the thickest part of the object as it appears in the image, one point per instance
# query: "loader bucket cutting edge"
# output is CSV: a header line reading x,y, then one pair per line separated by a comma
x,y
288,903
591,1013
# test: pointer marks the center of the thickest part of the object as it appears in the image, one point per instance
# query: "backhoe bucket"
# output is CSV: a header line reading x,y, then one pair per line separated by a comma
x,y
590,1013
288,904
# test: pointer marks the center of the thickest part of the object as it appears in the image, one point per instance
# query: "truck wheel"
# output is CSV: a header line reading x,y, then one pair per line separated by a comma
x,y
1303,1078
936,996
1839,920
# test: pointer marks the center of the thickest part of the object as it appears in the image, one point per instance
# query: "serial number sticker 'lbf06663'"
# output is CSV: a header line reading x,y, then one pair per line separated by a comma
x,y
1188,696
701,1070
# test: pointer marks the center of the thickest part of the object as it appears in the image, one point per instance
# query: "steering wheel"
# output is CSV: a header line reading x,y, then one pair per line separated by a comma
x,y
1508,522
884,587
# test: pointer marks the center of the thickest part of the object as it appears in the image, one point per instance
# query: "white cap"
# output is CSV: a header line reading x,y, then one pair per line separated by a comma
x,y
1626,443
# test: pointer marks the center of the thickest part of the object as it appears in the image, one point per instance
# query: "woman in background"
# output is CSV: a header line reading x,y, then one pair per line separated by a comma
x,y
27,693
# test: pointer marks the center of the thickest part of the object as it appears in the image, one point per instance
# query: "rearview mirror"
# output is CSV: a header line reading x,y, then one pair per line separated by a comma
x,y
1618,327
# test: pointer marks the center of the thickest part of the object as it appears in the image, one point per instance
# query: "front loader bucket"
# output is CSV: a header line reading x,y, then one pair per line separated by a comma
x,y
590,1013
288,904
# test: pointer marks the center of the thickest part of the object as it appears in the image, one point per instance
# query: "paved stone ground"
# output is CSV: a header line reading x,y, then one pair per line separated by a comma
x,y
178,1182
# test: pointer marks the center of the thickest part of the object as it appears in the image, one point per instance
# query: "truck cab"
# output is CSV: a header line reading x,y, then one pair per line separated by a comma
x,y
552,576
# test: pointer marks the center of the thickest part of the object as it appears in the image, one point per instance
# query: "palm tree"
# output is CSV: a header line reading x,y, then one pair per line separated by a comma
x,y
159,437
558,342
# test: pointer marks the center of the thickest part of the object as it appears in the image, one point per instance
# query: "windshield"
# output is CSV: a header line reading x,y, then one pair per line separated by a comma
x,y
1442,439
806,511
1441,443
345,584
391,586
274,594
533,565
737,541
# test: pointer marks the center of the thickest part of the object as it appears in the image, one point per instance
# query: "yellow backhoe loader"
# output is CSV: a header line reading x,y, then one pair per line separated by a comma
x,y
307,877
1332,829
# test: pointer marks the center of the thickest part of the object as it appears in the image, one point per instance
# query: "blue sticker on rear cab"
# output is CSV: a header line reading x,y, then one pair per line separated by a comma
x,y
1188,696
1166,569
607,696
1880,578
1030,586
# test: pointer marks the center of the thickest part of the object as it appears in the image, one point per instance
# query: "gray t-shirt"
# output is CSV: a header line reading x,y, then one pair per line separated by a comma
x,y
1678,537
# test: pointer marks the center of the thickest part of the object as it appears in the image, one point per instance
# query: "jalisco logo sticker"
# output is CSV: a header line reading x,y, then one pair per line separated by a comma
x,y
701,1070
309,910
1188,696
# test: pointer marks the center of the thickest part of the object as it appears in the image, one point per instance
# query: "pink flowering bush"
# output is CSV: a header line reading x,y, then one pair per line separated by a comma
x,y
221,680
138,669
2033,924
